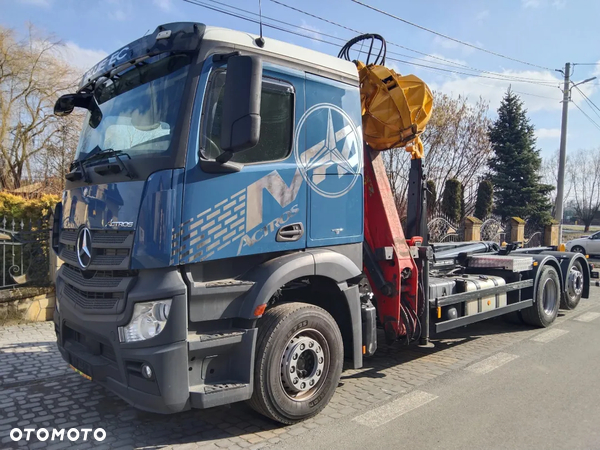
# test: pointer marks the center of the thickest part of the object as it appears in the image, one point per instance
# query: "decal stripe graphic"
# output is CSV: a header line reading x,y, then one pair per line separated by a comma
x,y
218,205
218,225
216,213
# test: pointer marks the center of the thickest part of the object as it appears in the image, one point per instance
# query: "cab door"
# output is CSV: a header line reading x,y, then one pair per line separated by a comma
x,y
262,207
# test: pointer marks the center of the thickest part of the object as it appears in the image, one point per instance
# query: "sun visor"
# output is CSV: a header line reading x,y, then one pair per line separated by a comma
x,y
173,37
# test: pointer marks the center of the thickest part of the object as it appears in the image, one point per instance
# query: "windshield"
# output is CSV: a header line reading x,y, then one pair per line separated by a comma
x,y
139,109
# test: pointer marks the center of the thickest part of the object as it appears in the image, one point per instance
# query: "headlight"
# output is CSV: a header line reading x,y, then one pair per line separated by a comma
x,y
148,320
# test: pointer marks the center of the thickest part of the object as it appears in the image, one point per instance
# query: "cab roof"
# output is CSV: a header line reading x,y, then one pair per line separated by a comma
x,y
297,57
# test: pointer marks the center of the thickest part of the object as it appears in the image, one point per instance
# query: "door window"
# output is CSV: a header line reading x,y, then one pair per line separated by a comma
x,y
276,127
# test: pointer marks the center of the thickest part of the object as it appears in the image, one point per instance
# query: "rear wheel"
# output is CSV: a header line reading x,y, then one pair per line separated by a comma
x,y
574,287
547,299
299,356
578,249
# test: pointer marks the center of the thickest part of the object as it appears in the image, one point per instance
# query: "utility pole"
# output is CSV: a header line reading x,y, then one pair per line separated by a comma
x,y
558,212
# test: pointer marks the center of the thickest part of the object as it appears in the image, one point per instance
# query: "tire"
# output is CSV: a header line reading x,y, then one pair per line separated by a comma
x,y
578,249
285,334
547,299
574,287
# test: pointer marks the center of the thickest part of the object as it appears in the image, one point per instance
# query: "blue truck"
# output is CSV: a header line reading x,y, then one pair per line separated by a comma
x,y
214,232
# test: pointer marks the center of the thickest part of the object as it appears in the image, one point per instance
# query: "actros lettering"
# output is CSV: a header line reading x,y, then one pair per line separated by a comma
x,y
249,240
115,223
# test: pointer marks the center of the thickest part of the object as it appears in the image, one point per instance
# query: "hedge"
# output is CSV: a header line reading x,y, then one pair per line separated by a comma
x,y
19,208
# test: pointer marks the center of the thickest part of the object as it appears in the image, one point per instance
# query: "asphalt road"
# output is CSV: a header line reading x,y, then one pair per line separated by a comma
x,y
540,393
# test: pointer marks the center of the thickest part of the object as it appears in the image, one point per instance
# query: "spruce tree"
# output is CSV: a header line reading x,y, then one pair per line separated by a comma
x,y
485,199
451,199
515,164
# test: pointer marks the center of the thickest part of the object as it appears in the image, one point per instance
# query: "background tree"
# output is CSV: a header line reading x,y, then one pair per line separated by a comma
x,y
456,146
463,205
451,202
584,177
33,74
516,163
431,197
485,199
397,165
456,142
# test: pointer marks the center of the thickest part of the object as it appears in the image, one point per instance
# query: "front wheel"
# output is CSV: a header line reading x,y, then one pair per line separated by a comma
x,y
578,249
547,299
299,357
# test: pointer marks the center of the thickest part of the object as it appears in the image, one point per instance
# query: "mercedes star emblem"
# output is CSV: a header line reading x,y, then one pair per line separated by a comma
x,y
84,248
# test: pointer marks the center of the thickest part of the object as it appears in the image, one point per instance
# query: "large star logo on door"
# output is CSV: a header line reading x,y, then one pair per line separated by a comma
x,y
339,150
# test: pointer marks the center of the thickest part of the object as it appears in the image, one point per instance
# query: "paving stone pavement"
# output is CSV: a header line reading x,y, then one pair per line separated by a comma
x,y
37,390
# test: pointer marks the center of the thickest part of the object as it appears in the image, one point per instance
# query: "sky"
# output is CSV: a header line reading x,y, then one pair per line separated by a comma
x,y
545,34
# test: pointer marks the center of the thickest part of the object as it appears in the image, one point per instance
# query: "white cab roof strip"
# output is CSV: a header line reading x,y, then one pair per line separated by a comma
x,y
298,57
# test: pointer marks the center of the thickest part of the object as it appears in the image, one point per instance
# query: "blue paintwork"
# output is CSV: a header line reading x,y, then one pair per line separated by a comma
x,y
218,210
158,220
336,218
95,206
336,221
183,216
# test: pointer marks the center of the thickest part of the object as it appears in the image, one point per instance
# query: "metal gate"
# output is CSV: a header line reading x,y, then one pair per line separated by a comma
x,y
25,251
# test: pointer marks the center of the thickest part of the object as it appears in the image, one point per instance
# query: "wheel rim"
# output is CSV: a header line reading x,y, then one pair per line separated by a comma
x,y
575,282
578,249
304,364
549,295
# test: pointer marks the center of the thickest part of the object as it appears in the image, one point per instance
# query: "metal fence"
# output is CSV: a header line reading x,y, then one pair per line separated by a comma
x,y
442,229
24,252
534,234
494,229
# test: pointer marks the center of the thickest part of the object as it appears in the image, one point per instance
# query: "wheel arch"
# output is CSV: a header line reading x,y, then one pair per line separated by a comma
x,y
566,261
543,260
323,267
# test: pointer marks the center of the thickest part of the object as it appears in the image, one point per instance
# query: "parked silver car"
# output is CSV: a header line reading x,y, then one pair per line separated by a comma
x,y
588,245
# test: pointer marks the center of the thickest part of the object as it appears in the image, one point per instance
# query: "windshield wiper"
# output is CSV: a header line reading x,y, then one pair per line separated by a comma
x,y
74,176
97,154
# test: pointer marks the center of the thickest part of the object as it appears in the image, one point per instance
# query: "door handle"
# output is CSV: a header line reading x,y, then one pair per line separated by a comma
x,y
290,233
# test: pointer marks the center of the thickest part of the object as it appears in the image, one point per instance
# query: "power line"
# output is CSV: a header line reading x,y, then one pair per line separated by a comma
x,y
240,16
507,80
583,64
589,102
448,37
453,63
589,118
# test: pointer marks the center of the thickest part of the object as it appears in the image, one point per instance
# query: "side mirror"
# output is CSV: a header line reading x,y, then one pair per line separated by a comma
x,y
68,102
240,122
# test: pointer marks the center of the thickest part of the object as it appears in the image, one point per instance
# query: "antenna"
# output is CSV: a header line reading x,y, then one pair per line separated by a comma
x,y
260,41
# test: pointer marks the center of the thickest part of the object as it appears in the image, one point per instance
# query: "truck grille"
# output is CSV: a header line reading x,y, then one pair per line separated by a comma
x,y
111,249
90,299
96,291
103,286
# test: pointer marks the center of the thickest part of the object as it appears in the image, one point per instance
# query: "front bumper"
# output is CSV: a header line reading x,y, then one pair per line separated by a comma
x,y
89,342
166,393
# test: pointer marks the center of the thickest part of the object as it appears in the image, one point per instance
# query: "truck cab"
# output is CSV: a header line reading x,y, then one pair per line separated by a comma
x,y
217,173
